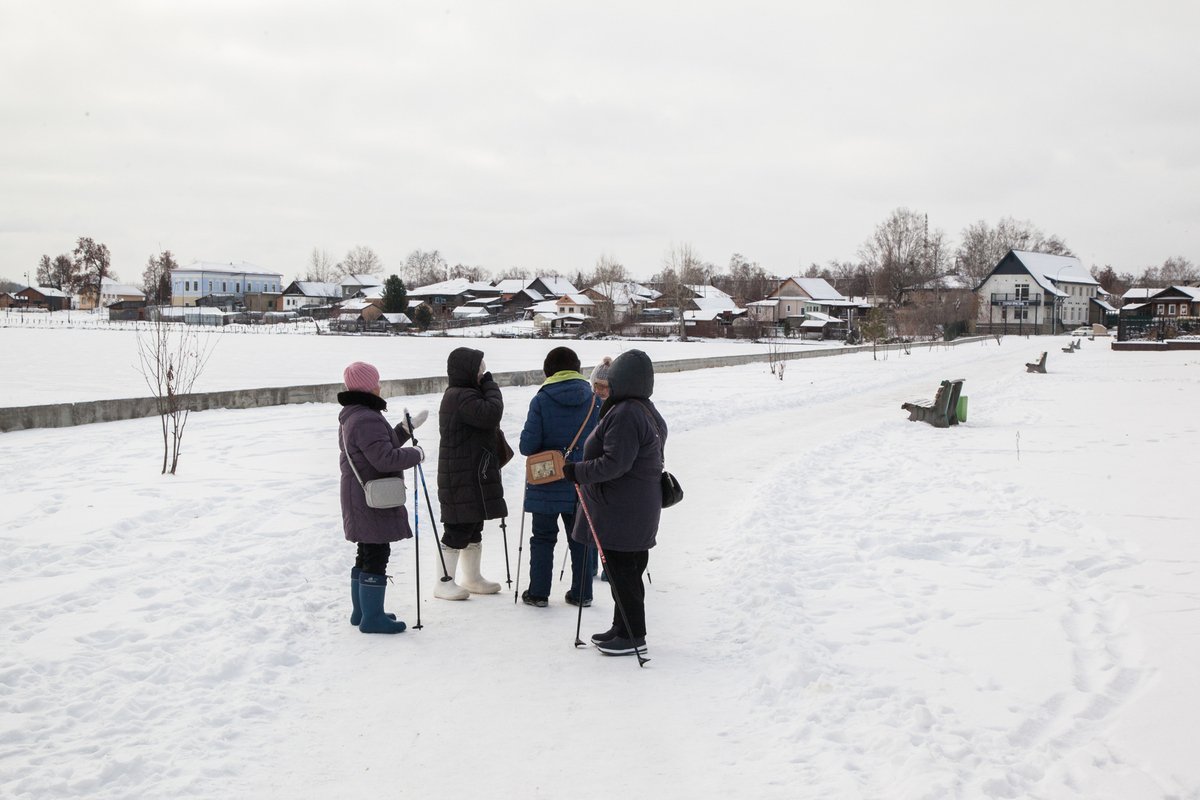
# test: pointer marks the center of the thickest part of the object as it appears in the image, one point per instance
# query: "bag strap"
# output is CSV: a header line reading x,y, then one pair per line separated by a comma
x,y
662,448
346,450
582,425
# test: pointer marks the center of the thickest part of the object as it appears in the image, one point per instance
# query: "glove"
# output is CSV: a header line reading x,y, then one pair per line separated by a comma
x,y
569,471
486,378
417,420
420,450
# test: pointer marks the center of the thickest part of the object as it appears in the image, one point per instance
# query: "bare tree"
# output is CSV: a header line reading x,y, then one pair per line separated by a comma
x,y
361,260
321,267
423,267
982,246
156,278
92,261
903,253
607,278
745,281
59,273
1178,271
474,274
171,357
682,267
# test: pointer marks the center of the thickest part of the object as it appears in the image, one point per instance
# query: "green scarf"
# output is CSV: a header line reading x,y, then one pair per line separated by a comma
x,y
564,375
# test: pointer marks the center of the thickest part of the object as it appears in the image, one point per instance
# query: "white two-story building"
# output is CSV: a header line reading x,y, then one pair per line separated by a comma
x,y
203,278
1035,293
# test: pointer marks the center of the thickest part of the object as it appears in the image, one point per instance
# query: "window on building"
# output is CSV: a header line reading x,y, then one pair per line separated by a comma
x,y
237,287
224,287
1158,309
210,286
1022,291
1171,309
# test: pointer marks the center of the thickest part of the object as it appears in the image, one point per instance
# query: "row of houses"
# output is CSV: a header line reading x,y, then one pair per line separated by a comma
x,y
1025,293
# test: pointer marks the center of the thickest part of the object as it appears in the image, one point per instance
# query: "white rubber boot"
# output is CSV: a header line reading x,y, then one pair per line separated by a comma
x,y
472,581
449,590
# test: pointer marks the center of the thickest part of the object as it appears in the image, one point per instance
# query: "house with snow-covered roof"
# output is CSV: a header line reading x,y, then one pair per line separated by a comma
x,y
300,294
814,300
1035,293
209,278
353,284
552,287
445,296
113,292
46,297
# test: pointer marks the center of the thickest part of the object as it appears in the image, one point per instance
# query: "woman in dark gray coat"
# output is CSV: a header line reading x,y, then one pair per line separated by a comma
x,y
619,478
469,460
370,447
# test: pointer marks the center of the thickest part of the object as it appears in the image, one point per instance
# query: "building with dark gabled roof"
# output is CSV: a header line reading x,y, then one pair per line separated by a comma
x,y
1035,293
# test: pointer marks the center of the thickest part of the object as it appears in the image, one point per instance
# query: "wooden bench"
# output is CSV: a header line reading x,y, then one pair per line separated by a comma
x,y
1037,366
942,411
1071,348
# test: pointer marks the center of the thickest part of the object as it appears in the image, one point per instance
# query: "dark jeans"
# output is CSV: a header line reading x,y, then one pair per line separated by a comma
x,y
460,534
373,558
625,580
541,557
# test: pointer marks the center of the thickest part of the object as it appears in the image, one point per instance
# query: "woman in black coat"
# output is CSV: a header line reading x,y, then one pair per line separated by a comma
x,y
469,460
619,478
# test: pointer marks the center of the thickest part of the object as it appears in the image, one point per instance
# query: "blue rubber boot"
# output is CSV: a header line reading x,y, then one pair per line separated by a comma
x,y
356,612
371,590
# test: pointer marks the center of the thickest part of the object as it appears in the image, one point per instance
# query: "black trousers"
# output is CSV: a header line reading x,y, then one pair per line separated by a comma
x,y
625,581
460,534
373,558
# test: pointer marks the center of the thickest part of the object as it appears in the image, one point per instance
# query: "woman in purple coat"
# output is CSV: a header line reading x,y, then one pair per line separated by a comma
x,y
375,447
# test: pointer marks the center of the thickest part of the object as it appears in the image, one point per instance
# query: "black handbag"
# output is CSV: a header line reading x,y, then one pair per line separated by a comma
x,y
672,492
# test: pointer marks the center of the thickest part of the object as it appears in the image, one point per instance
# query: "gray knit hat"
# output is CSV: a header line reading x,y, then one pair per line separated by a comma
x,y
600,371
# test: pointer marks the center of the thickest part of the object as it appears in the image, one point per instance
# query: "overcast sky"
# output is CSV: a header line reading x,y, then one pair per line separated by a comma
x,y
546,134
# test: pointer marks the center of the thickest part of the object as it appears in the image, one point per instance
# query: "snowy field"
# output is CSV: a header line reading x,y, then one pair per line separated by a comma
x,y
40,365
846,604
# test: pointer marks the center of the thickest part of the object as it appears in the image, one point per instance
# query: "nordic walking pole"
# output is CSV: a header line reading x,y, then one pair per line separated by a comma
x,y
520,546
563,569
429,504
587,570
416,524
504,533
641,660
417,541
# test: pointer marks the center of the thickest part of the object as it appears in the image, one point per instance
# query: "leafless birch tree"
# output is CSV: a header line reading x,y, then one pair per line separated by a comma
x,y
171,357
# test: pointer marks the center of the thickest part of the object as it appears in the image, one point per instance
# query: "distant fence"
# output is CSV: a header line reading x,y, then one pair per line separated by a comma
x,y
62,415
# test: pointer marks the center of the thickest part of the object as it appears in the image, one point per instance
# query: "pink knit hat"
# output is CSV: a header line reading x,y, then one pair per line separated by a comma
x,y
361,377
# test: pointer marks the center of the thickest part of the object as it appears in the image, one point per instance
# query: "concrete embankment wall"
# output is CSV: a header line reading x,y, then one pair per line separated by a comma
x,y
62,415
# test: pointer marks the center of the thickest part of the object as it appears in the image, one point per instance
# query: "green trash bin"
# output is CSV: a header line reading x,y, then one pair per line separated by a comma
x,y
961,411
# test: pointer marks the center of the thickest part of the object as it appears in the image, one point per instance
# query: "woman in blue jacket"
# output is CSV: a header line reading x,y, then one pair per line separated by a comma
x,y
564,409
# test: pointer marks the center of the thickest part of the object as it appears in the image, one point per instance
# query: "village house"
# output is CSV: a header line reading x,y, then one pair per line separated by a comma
x,y
300,294
1035,293
352,285
445,296
552,287
202,279
618,301
114,292
810,305
1164,314
45,297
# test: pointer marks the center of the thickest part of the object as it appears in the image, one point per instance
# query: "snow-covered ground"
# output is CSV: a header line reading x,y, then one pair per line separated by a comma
x,y
61,364
846,604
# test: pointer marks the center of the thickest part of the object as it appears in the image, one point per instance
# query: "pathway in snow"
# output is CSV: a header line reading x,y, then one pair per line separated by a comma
x,y
846,604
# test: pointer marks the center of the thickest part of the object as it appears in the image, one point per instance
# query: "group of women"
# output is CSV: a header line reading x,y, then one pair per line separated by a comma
x,y
610,435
